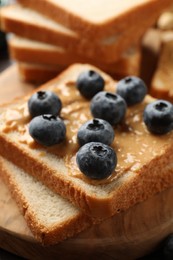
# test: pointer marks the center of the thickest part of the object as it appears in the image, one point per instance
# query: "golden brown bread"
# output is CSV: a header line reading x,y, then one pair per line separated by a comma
x,y
27,23
99,19
37,73
46,60
139,223
50,217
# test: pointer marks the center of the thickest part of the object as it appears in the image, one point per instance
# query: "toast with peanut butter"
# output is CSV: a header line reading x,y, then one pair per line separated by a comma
x,y
34,25
144,160
47,58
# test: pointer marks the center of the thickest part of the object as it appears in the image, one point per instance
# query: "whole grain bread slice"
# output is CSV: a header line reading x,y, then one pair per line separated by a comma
x,y
30,24
50,217
49,56
99,19
144,160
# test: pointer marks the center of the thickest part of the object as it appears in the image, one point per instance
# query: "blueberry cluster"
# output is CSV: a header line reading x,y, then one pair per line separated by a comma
x,y
157,116
108,109
96,159
46,127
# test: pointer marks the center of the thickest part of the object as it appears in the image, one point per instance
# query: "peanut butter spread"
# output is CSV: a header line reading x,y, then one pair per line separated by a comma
x,y
133,144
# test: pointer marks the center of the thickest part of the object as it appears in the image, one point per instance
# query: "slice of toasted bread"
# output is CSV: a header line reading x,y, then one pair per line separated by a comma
x,y
144,160
162,81
27,23
40,61
50,217
38,73
99,19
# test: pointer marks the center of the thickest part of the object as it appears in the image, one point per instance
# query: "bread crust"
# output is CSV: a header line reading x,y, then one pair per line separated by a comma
x,y
37,73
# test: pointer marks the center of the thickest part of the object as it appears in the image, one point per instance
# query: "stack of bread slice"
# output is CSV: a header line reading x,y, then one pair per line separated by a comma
x,y
70,202
51,35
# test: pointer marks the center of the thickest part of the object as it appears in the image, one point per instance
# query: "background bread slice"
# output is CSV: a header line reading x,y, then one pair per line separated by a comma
x,y
26,50
49,58
27,23
162,81
50,217
38,73
148,157
99,19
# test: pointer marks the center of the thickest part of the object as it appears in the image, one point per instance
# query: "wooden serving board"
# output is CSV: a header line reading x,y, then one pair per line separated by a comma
x,y
128,235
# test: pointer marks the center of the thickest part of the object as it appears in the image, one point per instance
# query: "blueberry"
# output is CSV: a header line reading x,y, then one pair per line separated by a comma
x,y
44,102
132,89
96,160
47,129
158,117
108,106
95,130
168,248
89,83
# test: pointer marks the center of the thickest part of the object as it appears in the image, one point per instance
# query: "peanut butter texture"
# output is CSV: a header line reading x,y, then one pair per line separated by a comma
x,y
133,144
